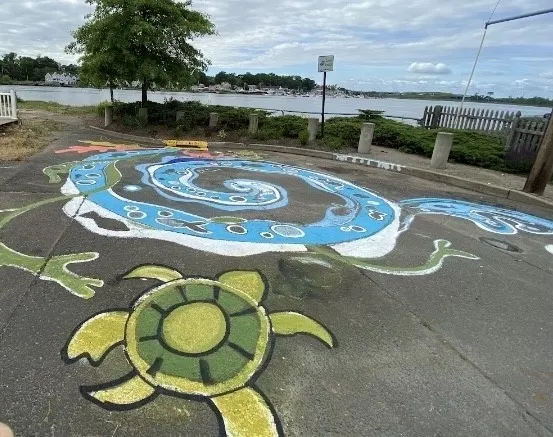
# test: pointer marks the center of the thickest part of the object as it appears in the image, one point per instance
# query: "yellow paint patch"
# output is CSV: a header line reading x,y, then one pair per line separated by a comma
x,y
106,144
98,334
162,273
129,392
202,145
249,283
245,413
289,323
195,328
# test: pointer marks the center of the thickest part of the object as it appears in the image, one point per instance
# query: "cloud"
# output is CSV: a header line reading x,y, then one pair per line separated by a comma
x,y
372,40
428,68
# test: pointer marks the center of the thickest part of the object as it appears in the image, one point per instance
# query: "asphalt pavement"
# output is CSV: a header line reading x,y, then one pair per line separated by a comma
x,y
427,307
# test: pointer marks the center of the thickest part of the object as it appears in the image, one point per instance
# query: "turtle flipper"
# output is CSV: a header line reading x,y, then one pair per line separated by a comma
x,y
246,413
290,323
153,271
96,337
251,283
128,392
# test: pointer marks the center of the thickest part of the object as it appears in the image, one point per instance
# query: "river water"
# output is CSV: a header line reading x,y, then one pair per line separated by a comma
x,y
396,107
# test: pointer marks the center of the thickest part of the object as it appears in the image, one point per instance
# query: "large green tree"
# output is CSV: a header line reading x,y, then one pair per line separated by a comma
x,y
144,40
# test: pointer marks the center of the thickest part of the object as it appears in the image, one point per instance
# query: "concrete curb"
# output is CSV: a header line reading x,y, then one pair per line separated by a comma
x,y
154,141
479,187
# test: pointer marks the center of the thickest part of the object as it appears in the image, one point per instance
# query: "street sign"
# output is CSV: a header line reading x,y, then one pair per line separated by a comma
x,y
326,63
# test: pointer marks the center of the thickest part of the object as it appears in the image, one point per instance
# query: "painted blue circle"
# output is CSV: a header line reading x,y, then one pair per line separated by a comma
x,y
360,214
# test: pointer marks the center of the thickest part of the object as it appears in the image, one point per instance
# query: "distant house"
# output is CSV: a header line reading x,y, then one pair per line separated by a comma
x,y
60,79
252,88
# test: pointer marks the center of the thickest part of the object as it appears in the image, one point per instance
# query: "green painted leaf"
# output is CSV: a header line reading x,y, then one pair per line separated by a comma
x,y
290,323
249,282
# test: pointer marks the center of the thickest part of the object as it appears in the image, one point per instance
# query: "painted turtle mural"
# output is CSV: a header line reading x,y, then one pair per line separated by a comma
x,y
209,339
197,338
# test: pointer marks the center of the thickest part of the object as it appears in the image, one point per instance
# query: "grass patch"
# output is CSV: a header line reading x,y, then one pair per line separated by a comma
x,y
35,105
20,142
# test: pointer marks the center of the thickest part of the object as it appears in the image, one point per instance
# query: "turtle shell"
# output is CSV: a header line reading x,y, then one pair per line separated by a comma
x,y
197,337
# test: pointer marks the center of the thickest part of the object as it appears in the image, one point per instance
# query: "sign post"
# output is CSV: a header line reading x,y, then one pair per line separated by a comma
x,y
326,63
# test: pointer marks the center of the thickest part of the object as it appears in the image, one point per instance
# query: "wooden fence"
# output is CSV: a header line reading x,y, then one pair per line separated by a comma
x,y
482,120
8,106
524,140
522,136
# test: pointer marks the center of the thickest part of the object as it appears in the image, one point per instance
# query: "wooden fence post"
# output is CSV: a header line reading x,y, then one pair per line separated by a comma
x,y
512,131
13,97
213,119
543,166
436,116
254,123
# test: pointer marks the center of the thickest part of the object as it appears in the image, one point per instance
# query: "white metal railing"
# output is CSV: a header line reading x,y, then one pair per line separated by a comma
x,y
8,105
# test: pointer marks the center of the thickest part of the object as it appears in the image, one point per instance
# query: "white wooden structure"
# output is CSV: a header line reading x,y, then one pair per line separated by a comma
x,y
8,107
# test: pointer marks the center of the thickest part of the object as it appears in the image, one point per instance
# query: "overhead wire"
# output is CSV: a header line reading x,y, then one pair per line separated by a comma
x,y
457,119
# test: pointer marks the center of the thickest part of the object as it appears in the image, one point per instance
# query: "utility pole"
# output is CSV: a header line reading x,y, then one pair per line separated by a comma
x,y
542,169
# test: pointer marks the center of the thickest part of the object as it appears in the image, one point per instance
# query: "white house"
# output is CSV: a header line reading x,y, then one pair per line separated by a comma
x,y
60,79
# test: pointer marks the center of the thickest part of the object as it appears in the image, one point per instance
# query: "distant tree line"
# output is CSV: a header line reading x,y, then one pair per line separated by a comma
x,y
14,68
259,79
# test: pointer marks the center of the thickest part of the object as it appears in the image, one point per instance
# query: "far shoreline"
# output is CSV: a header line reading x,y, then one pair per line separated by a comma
x,y
369,95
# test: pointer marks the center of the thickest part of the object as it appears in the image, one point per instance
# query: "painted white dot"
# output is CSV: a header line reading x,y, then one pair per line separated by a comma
x,y
267,235
174,187
358,229
238,199
132,188
287,231
345,229
93,176
131,208
86,182
165,213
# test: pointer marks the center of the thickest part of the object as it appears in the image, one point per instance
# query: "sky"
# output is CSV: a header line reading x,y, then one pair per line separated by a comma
x,y
383,45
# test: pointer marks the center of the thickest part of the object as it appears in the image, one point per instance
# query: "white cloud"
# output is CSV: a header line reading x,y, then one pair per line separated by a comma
x,y
428,68
371,39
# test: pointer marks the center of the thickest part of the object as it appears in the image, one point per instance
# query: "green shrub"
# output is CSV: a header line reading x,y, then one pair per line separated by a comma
x,y
304,137
101,107
287,126
268,133
334,143
130,121
347,130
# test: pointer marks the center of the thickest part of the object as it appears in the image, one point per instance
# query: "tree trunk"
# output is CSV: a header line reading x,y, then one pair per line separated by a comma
x,y
145,86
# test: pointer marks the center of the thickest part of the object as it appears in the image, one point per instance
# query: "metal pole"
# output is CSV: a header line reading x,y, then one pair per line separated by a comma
x,y
532,14
323,111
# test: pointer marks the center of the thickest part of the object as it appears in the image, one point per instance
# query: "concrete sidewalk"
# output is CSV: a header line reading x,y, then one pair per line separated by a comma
x,y
477,174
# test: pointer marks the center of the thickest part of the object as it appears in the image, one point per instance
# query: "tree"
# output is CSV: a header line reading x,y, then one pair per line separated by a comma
x,y
145,40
